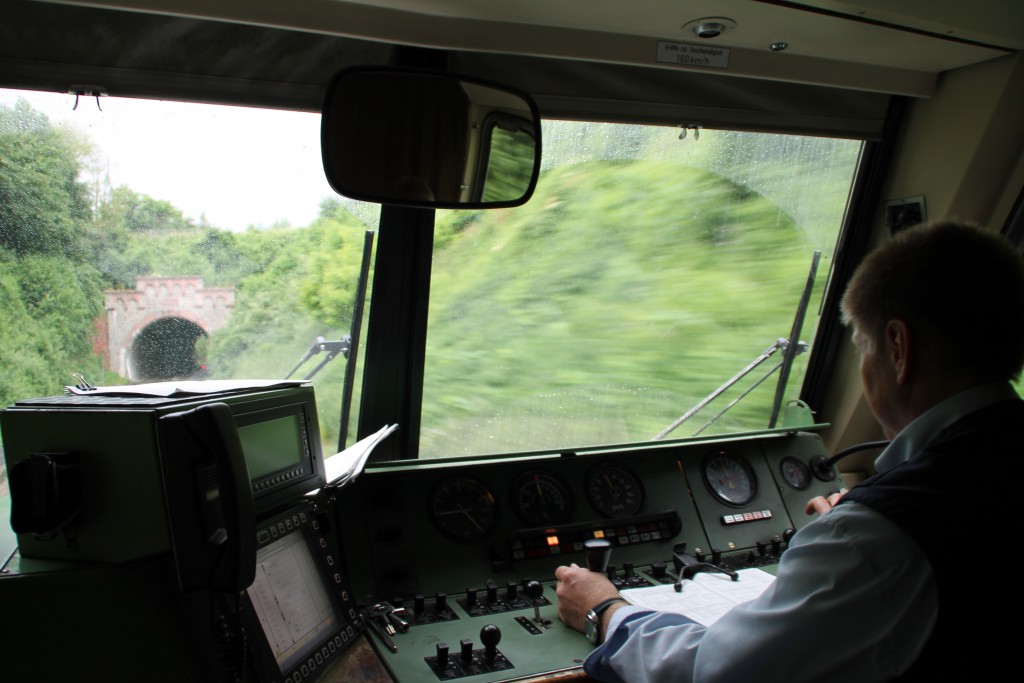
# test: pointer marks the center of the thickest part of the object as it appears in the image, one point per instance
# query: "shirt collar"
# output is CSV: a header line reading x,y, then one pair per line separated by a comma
x,y
919,433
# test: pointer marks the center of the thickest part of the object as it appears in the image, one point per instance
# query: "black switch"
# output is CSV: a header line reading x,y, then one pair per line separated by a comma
x,y
442,656
466,646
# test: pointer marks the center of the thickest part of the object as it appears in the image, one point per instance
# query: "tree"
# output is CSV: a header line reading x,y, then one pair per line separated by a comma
x,y
43,207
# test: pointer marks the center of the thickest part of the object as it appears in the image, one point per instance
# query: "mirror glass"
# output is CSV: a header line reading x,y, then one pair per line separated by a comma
x,y
429,139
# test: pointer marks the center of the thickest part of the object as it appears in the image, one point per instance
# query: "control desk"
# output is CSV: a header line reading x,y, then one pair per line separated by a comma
x,y
445,568
459,556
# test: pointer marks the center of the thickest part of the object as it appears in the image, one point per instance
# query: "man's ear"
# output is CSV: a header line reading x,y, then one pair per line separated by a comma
x,y
898,349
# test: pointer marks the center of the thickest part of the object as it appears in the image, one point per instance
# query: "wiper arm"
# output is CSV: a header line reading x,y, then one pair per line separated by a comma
x,y
790,352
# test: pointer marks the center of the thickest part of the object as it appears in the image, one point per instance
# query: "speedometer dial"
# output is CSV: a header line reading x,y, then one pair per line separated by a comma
x,y
614,491
463,509
730,478
541,499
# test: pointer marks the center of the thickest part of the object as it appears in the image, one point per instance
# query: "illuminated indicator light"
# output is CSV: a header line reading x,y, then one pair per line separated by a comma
x,y
552,540
599,533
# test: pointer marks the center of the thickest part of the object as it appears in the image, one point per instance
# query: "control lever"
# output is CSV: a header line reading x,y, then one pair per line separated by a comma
x,y
490,636
598,552
534,589
688,566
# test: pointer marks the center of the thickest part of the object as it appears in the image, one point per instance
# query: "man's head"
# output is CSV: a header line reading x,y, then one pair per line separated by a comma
x,y
949,294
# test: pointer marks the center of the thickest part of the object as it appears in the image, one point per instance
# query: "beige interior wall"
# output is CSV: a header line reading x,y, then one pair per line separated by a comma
x,y
962,150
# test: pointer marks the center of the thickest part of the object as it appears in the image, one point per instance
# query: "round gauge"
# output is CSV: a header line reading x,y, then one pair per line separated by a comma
x,y
614,491
541,499
796,473
729,478
463,509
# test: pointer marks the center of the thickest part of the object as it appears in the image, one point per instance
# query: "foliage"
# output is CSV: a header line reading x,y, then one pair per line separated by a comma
x,y
42,205
141,213
604,309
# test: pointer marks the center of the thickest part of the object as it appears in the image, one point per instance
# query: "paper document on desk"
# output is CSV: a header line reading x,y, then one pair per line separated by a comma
x,y
706,597
343,467
184,387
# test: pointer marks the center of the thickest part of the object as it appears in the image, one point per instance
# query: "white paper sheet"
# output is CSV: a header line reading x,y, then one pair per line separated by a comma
x,y
706,597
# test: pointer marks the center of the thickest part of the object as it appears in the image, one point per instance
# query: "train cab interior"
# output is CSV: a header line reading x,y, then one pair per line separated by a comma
x,y
333,327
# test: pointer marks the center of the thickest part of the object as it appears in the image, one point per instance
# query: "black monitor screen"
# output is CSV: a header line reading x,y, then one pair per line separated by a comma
x,y
271,445
290,600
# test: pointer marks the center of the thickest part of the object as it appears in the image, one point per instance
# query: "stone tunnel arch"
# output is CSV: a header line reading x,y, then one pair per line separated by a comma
x,y
158,330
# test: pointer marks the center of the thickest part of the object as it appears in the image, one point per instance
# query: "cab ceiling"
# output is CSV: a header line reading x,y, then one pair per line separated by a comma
x,y
593,60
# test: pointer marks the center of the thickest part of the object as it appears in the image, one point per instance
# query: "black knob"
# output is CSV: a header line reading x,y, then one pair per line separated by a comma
x,y
442,656
466,646
776,545
611,571
417,603
490,636
659,570
699,555
492,593
628,570
762,548
716,556
470,597
533,589
440,603
598,552
788,535
510,590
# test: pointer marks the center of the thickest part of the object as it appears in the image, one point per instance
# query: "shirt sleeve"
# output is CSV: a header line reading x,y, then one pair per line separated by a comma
x,y
854,600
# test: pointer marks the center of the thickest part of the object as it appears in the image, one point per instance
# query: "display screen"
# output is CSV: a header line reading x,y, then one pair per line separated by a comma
x,y
290,600
271,445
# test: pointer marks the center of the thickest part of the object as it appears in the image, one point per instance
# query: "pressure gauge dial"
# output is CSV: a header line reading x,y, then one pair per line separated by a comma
x,y
795,473
729,478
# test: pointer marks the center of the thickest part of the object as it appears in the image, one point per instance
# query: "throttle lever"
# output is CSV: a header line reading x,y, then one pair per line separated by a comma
x,y
598,551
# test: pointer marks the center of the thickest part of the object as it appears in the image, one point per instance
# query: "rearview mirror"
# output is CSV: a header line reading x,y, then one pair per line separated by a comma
x,y
418,138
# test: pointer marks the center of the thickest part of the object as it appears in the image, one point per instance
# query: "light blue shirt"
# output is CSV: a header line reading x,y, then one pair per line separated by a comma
x,y
854,599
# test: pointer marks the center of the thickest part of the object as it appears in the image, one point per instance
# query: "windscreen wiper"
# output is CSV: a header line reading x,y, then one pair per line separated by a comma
x,y
789,352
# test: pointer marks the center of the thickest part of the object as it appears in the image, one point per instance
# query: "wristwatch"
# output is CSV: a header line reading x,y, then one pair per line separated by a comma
x,y
592,622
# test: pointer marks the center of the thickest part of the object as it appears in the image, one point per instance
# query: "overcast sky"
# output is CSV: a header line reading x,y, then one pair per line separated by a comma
x,y
237,165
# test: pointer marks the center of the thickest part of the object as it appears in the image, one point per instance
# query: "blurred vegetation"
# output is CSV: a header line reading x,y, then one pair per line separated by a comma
x,y
599,312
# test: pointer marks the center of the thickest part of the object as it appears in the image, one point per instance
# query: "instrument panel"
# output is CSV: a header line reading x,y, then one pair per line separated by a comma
x,y
461,544
426,527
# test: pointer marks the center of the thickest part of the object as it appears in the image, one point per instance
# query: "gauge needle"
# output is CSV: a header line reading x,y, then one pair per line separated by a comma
x,y
470,517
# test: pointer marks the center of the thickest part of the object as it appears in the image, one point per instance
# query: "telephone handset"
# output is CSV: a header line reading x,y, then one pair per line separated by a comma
x,y
209,499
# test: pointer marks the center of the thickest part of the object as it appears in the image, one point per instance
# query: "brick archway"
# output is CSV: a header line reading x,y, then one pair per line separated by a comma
x,y
152,329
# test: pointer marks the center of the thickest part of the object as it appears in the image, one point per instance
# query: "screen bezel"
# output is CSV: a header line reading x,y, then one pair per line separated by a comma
x,y
315,654
292,478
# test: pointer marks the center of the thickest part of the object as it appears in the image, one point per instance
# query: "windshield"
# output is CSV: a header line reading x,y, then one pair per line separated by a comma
x,y
650,267
153,240
145,241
